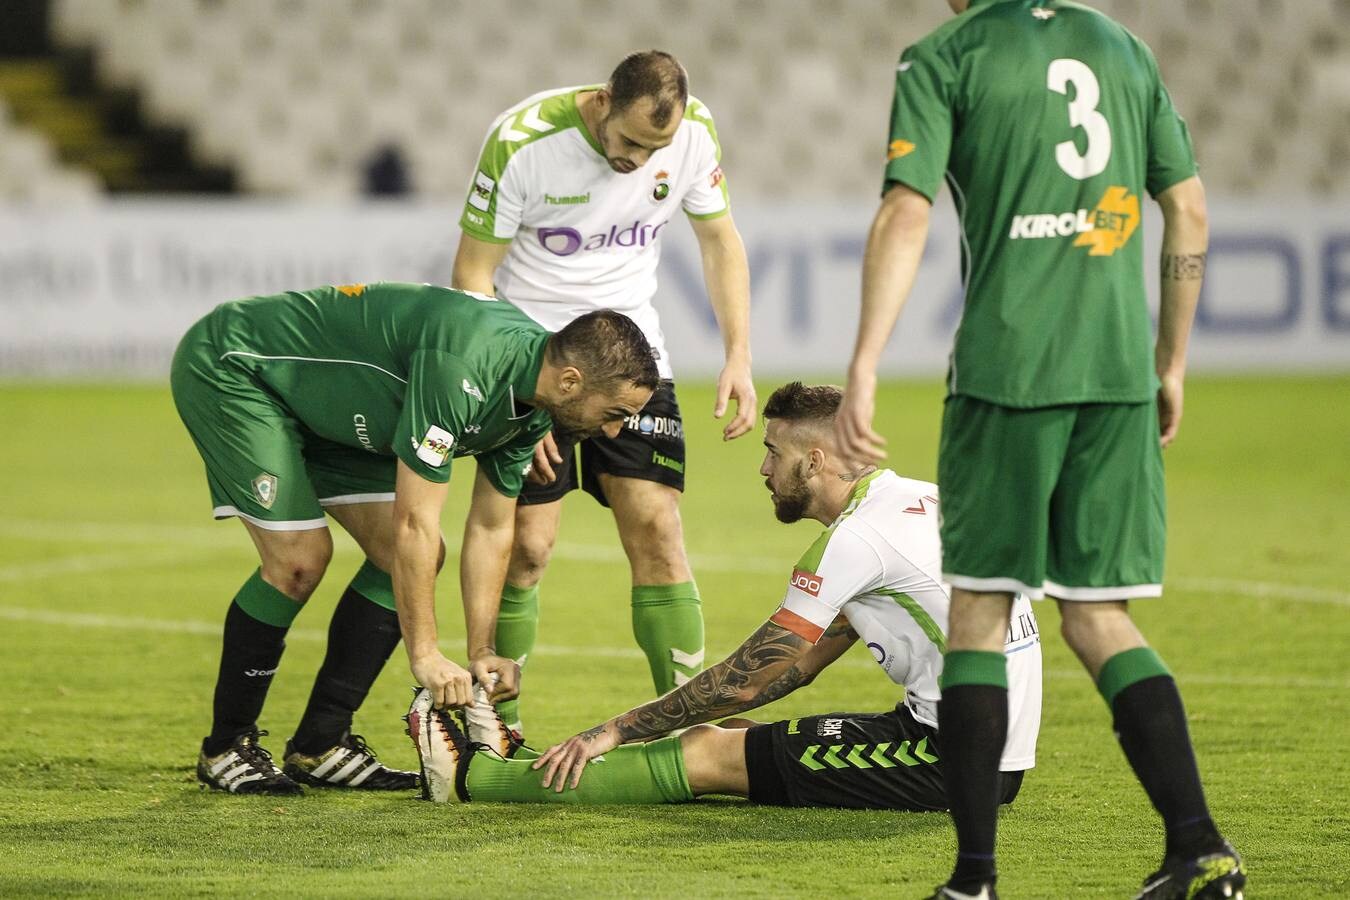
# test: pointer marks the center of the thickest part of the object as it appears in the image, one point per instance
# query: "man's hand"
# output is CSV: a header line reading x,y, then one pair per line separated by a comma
x,y
449,683
546,456
1169,407
734,384
858,443
567,761
501,676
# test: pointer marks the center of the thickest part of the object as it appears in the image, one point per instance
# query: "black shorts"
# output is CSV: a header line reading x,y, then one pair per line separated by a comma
x,y
650,447
884,760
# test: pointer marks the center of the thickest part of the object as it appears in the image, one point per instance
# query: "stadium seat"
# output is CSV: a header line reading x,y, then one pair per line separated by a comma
x,y
800,88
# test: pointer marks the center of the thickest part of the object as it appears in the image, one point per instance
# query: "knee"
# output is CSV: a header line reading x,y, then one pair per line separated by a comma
x,y
297,572
529,557
1092,628
656,542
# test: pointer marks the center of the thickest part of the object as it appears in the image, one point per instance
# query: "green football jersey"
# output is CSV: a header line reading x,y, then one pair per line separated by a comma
x,y
1048,120
421,372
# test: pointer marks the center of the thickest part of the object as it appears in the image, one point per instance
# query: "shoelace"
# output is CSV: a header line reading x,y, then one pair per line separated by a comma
x,y
255,755
358,743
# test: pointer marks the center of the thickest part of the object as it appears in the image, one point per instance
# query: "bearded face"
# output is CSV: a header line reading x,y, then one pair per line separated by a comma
x,y
789,493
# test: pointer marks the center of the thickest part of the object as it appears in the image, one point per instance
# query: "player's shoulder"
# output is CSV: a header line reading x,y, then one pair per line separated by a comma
x,y
547,114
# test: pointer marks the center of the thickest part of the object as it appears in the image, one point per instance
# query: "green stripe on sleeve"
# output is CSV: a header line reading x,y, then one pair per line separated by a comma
x,y
919,615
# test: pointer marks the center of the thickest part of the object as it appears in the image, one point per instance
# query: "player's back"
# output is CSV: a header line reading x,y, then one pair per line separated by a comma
x,y
1058,124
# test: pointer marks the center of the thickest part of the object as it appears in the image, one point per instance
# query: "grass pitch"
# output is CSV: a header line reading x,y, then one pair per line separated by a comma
x,y
114,582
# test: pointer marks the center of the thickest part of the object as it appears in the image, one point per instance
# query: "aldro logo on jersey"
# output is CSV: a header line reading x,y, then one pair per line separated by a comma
x,y
1103,230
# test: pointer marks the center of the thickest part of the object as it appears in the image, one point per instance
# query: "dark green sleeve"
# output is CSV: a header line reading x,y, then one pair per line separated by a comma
x,y
921,122
1170,155
506,467
433,417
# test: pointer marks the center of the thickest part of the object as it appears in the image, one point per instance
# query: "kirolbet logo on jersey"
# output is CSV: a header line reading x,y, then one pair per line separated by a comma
x,y
566,241
434,448
898,148
807,582
1103,229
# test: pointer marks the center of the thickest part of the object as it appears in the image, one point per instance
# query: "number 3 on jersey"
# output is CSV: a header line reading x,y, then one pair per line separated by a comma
x,y
1082,114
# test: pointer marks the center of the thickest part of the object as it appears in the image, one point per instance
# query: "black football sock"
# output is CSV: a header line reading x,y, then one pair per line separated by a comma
x,y
255,636
972,728
1150,724
361,637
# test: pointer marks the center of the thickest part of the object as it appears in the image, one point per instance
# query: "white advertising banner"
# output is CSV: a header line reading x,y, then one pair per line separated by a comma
x,y
108,291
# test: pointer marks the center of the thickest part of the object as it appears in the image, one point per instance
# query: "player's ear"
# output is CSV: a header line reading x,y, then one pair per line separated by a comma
x,y
815,461
570,380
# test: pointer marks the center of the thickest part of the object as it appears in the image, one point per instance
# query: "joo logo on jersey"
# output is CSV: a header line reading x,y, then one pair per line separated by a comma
x,y
1103,229
807,582
566,241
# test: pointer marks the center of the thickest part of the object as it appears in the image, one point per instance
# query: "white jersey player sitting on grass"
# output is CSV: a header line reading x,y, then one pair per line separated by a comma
x,y
572,192
874,575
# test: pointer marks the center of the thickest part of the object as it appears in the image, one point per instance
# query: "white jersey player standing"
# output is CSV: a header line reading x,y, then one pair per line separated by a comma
x,y
564,215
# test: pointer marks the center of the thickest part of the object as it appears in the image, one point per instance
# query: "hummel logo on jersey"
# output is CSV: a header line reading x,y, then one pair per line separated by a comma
x,y
472,391
567,200
1042,13
1103,230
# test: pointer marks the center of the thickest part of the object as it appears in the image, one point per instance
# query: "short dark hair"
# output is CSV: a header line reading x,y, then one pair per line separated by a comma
x,y
797,402
608,348
650,73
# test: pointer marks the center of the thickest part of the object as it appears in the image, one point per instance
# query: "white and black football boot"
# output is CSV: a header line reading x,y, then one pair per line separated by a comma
x,y
443,749
484,725
348,764
245,768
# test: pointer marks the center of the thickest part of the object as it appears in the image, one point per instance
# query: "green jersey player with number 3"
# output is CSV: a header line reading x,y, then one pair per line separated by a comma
x,y
1049,122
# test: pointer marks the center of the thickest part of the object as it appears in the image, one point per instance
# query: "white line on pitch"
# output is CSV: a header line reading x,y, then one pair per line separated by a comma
x,y
212,629
611,554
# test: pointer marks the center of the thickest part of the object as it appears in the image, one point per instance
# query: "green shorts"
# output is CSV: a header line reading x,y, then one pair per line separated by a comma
x,y
1059,500
262,465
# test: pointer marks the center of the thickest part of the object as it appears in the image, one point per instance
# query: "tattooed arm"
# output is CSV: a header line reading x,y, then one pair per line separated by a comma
x,y
1185,242
772,663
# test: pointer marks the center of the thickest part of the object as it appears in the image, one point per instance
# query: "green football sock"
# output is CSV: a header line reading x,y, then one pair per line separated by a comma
x,y
668,625
517,627
635,773
375,585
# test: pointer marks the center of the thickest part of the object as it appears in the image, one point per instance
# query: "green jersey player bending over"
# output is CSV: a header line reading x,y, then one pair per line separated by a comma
x,y
873,575
354,401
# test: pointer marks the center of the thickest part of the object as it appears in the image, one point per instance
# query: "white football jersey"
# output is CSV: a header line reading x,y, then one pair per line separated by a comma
x,y
584,237
880,565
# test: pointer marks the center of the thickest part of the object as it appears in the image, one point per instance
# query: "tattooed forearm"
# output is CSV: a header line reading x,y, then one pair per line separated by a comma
x,y
752,676
1183,266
